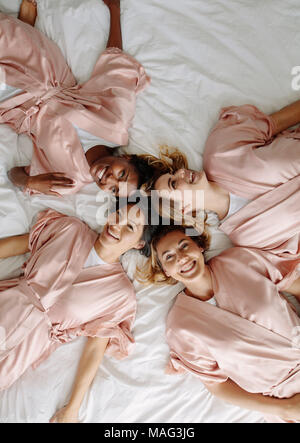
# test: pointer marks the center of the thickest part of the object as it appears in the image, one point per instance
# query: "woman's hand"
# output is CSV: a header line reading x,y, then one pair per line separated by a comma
x,y
66,415
49,184
286,117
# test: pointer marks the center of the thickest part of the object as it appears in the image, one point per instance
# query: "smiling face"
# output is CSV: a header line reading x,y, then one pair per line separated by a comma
x,y
185,187
123,231
115,175
180,257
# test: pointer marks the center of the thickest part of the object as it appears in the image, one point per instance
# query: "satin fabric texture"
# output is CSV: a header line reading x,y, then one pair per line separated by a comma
x,y
252,336
243,156
57,299
51,101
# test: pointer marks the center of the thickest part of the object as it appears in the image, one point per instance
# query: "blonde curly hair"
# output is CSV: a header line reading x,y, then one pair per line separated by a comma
x,y
168,162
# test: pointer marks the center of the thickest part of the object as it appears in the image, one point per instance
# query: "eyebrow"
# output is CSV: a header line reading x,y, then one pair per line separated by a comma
x,y
166,252
179,243
131,221
128,219
125,178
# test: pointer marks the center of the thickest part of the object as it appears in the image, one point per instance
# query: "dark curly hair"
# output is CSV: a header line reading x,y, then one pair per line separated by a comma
x,y
144,169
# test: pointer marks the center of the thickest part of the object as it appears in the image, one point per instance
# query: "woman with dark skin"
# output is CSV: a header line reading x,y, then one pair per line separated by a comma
x,y
119,175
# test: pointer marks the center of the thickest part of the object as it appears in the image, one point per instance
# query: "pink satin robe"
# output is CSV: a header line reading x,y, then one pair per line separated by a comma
x,y
252,337
51,101
57,299
242,156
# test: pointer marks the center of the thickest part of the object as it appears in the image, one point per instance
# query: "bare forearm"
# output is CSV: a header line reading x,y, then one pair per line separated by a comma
x,y
232,393
286,117
87,369
294,289
28,12
115,33
12,246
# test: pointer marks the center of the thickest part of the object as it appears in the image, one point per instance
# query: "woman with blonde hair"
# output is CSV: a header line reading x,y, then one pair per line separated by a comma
x,y
251,178
231,326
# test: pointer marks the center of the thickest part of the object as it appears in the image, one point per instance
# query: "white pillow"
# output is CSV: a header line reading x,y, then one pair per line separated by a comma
x,y
10,6
79,27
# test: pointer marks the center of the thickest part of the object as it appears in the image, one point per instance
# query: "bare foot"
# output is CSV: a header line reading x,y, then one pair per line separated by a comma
x,y
28,12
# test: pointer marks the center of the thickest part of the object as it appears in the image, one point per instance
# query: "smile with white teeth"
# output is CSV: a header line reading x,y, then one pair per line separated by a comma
x,y
188,267
112,234
100,176
192,177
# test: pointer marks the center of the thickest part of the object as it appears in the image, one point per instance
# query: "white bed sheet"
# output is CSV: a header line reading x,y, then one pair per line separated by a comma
x,y
201,56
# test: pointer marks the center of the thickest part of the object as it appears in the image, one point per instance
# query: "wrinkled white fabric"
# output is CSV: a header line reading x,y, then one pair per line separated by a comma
x,y
200,56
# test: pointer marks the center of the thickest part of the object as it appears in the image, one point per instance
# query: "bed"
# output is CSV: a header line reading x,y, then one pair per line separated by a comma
x,y
201,56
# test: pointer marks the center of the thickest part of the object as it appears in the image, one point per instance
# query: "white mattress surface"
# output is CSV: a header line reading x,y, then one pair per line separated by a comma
x,y
201,56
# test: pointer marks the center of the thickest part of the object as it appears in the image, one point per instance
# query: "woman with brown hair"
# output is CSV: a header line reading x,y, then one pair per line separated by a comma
x,y
73,284
250,179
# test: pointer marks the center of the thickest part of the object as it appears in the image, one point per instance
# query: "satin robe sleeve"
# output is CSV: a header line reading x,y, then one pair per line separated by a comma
x,y
25,302
109,96
239,125
116,328
59,247
242,154
188,353
271,222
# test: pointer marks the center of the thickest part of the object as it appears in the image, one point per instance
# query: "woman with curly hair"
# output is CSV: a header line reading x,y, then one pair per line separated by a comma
x,y
250,178
51,104
231,326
